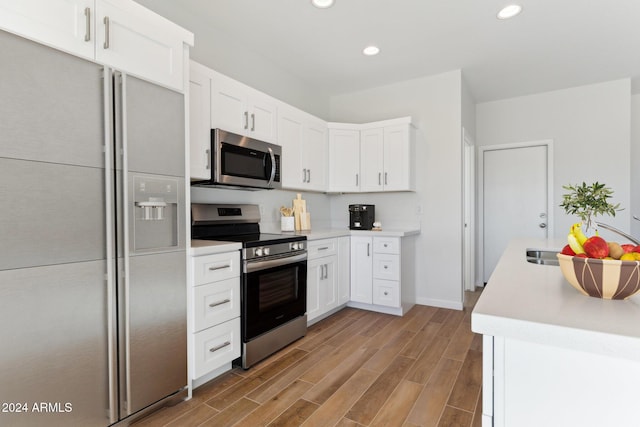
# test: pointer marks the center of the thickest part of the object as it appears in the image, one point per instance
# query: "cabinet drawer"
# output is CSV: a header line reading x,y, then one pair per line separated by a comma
x,y
211,268
216,303
321,248
386,292
386,266
386,245
216,346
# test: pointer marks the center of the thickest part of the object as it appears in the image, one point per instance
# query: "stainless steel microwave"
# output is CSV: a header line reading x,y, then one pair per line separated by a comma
x,y
242,162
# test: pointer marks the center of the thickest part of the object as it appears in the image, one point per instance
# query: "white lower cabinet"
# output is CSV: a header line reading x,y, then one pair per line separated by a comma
x,y
216,346
325,289
379,279
215,312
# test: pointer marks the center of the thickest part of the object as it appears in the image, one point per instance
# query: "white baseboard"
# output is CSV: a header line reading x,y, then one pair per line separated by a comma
x,y
441,303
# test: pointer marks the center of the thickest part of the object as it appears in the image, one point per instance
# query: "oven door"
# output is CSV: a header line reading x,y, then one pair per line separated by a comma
x,y
274,292
242,161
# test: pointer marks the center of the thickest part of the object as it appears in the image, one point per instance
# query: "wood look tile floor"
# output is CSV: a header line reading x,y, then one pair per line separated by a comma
x,y
355,368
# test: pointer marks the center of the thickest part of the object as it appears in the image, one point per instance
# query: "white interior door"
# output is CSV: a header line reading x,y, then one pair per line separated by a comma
x,y
515,198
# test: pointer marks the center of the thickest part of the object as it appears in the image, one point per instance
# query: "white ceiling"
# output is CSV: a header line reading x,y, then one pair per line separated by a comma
x,y
553,44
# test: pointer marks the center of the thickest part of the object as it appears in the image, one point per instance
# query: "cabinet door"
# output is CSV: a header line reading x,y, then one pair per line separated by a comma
x,y
229,105
290,138
344,269
199,123
64,24
329,284
262,117
136,40
344,160
371,159
397,158
361,269
315,155
315,270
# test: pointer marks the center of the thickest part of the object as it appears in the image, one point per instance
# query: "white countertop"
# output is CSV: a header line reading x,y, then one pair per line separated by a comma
x,y
332,232
210,247
535,303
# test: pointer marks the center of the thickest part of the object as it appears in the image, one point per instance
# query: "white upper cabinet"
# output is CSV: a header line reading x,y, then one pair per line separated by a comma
x,y
240,109
304,149
372,157
200,121
344,159
64,24
119,33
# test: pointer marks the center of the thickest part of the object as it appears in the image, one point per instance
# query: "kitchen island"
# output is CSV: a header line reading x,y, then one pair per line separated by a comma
x,y
553,356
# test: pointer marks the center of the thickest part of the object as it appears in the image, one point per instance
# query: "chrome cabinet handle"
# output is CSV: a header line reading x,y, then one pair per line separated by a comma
x,y
304,175
215,304
386,293
246,120
218,347
543,225
253,122
87,31
324,248
379,178
385,267
385,178
208,154
220,267
356,180
106,32
368,246
309,180
385,245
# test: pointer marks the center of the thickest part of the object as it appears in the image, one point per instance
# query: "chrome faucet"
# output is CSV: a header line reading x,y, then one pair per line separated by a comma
x,y
619,232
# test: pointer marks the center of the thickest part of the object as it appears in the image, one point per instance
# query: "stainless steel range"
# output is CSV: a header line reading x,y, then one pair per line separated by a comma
x,y
274,277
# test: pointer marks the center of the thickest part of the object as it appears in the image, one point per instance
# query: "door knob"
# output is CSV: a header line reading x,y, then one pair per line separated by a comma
x,y
543,225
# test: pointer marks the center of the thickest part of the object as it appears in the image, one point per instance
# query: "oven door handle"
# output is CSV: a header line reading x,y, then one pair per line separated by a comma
x,y
251,266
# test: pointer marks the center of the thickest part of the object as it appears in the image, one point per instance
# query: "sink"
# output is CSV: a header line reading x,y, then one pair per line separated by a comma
x,y
543,257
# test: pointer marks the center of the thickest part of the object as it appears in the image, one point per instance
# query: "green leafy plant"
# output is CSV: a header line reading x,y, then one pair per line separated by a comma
x,y
588,201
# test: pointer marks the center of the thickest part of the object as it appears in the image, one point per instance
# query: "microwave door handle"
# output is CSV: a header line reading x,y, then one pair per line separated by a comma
x,y
273,167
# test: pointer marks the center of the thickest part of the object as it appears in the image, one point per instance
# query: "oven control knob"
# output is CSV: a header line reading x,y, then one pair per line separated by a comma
x,y
300,246
293,246
265,251
258,252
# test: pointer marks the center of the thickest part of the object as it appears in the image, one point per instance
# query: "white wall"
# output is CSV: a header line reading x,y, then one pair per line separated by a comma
x,y
270,202
635,164
590,126
435,105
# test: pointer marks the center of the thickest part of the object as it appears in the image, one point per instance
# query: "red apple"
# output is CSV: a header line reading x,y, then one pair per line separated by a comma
x,y
636,249
567,251
596,247
581,256
627,248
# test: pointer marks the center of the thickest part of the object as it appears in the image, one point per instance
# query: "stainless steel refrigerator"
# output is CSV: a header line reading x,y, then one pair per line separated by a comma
x,y
92,241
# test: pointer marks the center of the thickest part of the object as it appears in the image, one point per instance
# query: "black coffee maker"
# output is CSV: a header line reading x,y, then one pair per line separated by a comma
x,y
361,217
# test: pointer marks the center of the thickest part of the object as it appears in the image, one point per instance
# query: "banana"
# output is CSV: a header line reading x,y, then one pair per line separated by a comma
x,y
575,245
576,230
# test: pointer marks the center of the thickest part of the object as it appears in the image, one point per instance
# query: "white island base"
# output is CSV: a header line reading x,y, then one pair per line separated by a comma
x,y
551,356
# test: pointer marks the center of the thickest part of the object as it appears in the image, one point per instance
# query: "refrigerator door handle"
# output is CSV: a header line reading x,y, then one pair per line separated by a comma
x,y
107,93
120,98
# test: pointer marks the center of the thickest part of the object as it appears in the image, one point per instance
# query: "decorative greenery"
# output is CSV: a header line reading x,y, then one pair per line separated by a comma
x,y
588,201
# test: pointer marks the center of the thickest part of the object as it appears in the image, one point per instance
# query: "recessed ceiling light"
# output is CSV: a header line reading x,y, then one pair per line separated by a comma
x,y
509,11
371,50
322,4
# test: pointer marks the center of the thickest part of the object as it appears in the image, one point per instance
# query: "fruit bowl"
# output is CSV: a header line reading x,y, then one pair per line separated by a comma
x,y
601,278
